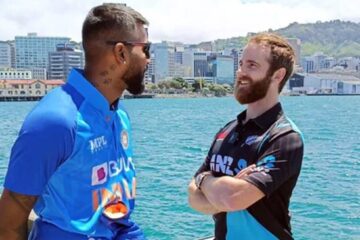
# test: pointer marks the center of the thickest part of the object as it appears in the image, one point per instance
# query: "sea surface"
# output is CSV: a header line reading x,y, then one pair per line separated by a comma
x,y
172,137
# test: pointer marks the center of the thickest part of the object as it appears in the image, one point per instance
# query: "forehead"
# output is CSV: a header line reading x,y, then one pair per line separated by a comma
x,y
142,32
255,52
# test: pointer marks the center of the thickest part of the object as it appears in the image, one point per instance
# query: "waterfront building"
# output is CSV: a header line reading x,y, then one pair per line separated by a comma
x,y
63,60
32,50
11,73
295,81
332,83
27,88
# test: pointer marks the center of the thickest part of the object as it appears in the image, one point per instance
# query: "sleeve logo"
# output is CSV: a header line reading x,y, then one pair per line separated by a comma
x,y
124,139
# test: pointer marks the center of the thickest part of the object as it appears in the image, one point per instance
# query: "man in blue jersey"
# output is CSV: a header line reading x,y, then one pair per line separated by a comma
x,y
248,176
72,161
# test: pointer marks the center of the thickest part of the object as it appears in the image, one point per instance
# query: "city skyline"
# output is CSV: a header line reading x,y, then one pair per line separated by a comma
x,y
185,21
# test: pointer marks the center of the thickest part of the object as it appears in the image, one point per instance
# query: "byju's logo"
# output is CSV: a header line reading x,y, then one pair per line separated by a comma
x,y
97,144
99,174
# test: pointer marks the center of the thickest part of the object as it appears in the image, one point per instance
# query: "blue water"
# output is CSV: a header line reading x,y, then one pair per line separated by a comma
x,y
172,137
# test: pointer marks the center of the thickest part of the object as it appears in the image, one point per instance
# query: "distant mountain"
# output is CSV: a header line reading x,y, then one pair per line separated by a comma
x,y
335,38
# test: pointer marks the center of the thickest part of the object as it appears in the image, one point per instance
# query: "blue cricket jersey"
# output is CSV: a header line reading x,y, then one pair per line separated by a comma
x,y
75,153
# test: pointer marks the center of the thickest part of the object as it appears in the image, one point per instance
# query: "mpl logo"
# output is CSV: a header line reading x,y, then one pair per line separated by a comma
x,y
99,174
97,144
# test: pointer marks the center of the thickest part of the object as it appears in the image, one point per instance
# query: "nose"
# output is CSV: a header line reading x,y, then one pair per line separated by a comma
x,y
239,72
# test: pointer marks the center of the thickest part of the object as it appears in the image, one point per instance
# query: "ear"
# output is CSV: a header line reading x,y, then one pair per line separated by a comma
x,y
121,53
279,75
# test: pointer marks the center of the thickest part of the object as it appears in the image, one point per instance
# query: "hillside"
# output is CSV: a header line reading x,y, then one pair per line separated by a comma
x,y
335,38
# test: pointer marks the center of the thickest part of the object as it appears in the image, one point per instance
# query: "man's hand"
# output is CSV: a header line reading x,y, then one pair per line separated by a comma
x,y
245,172
198,201
14,212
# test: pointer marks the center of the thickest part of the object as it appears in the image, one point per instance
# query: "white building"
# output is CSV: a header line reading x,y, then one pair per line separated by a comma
x,y
332,83
10,73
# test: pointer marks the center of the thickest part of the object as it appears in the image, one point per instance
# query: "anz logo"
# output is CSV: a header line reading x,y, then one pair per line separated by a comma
x,y
97,144
222,164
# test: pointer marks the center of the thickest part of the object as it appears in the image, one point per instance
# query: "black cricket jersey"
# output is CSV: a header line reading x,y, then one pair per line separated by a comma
x,y
275,145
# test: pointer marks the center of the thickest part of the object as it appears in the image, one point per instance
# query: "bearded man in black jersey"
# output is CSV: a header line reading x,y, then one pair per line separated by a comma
x,y
252,167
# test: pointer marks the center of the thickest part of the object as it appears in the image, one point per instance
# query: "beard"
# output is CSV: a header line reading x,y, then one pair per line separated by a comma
x,y
253,91
135,81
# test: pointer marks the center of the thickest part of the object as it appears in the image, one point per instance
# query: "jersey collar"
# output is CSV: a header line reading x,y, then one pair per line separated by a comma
x,y
266,119
77,79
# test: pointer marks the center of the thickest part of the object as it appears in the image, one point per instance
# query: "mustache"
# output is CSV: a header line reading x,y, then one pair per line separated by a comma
x,y
245,78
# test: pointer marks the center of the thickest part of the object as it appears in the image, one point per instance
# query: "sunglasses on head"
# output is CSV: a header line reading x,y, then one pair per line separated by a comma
x,y
146,46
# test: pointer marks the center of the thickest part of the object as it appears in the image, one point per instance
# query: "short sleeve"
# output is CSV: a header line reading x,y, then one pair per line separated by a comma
x,y
44,142
205,166
280,161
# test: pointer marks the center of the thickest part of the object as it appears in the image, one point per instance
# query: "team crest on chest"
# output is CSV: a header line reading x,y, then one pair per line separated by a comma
x,y
124,139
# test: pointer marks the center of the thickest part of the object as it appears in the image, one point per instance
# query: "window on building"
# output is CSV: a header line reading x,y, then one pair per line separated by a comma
x,y
37,86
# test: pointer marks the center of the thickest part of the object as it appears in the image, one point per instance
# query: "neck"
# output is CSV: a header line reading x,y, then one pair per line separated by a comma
x,y
103,81
257,108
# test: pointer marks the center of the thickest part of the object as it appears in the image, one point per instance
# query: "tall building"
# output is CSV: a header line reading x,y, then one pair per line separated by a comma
x,y
164,60
222,68
236,54
188,62
201,68
63,60
150,73
32,51
12,53
5,55
296,44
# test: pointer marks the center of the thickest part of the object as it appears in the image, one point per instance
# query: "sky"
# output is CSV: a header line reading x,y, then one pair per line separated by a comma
x,y
188,21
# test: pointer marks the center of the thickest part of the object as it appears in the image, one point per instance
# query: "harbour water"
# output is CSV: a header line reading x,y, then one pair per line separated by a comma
x,y
172,136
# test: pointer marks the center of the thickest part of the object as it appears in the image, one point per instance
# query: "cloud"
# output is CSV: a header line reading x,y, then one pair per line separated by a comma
x,y
188,21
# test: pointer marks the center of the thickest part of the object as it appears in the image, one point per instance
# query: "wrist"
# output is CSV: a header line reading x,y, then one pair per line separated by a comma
x,y
200,178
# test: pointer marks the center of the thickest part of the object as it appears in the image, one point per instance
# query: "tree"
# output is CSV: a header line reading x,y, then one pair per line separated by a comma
x,y
182,82
198,85
218,90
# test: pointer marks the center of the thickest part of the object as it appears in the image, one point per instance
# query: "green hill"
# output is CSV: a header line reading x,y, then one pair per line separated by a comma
x,y
335,38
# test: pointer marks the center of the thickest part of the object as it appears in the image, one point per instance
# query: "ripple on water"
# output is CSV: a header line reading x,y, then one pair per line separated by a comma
x,y
172,137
